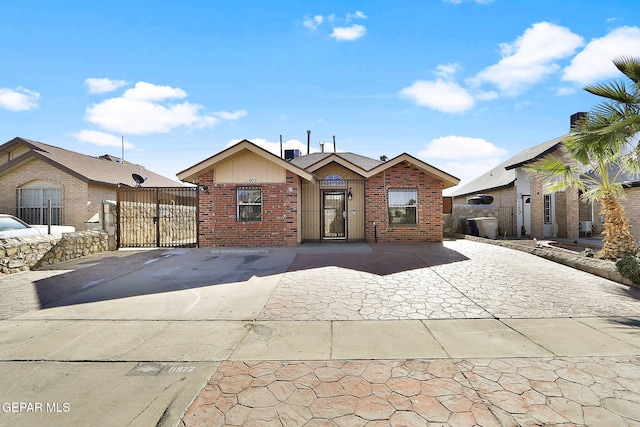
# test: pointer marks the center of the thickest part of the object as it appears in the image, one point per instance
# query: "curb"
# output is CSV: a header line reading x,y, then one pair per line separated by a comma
x,y
599,267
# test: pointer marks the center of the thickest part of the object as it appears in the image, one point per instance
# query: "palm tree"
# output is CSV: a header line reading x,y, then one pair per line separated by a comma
x,y
602,149
619,111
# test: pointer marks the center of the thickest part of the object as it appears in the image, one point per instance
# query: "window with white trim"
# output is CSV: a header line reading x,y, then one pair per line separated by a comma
x,y
249,203
403,206
33,203
547,208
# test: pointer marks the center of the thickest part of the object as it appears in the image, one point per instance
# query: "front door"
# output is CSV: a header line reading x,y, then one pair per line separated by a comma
x,y
333,215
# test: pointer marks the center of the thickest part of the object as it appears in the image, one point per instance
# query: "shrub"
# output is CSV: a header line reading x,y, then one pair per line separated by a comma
x,y
629,267
588,253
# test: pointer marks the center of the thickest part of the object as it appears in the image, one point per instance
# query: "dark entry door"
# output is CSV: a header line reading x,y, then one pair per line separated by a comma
x,y
333,215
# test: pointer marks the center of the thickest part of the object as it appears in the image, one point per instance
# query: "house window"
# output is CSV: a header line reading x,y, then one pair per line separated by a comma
x,y
249,203
33,203
547,208
334,181
403,206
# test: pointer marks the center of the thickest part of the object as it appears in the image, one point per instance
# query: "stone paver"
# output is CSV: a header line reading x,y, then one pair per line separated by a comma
x,y
482,285
454,335
590,391
518,381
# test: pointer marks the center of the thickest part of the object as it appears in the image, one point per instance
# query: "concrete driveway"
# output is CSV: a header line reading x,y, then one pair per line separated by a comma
x,y
459,333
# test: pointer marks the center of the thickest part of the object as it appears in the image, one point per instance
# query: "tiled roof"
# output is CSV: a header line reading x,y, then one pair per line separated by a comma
x,y
90,169
504,174
365,163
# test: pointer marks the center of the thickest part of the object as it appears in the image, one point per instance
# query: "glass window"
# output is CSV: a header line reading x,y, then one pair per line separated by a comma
x,y
334,181
547,208
33,205
249,203
403,206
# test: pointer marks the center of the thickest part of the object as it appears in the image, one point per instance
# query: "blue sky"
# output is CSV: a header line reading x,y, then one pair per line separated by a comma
x,y
462,84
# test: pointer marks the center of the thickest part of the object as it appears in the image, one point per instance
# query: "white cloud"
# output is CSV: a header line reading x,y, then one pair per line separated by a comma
x,y
101,138
225,115
19,99
144,109
461,147
564,91
462,156
594,62
440,95
149,92
104,85
358,15
446,71
351,33
274,147
342,33
530,58
314,22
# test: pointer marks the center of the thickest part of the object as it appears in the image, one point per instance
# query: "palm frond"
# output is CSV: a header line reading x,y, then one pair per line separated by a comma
x,y
629,66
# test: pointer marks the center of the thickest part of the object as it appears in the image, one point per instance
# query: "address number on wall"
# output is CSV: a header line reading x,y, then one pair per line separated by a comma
x,y
253,180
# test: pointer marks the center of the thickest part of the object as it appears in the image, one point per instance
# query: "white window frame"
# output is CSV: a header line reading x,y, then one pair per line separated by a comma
x,y
546,209
242,202
400,201
33,203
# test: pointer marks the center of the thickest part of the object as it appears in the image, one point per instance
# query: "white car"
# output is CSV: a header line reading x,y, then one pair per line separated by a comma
x,y
10,227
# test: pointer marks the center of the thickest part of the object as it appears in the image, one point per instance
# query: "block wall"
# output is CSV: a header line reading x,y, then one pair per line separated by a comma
x,y
219,226
430,218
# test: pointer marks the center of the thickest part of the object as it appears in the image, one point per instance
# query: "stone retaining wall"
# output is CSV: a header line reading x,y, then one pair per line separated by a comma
x,y
26,253
599,267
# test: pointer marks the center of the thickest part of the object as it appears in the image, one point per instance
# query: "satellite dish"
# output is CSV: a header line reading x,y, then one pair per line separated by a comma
x,y
138,179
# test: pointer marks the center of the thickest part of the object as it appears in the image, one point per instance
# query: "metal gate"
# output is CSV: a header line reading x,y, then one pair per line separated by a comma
x,y
505,221
157,217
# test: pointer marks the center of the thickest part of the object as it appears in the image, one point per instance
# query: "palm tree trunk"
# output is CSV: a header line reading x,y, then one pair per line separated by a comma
x,y
618,240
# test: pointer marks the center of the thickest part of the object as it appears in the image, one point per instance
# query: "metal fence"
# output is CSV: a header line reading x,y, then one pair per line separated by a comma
x,y
157,217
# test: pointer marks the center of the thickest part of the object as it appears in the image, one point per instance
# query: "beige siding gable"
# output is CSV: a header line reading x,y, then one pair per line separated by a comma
x,y
249,167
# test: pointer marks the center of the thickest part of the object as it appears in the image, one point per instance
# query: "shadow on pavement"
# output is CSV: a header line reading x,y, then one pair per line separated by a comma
x,y
125,274
381,258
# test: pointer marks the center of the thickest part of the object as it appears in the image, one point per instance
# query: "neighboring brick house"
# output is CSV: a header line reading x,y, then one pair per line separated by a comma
x,y
32,172
538,213
250,197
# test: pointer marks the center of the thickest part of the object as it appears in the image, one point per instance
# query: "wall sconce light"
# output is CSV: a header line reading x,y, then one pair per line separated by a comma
x,y
350,196
204,188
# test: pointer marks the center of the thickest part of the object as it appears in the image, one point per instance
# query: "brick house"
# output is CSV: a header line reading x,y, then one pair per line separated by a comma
x,y
32,172
251,197
539,213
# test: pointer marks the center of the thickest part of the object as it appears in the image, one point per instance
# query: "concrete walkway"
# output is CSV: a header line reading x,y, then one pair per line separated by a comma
x,y
459,333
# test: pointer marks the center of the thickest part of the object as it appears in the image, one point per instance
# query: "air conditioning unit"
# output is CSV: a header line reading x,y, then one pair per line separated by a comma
x,y
586,227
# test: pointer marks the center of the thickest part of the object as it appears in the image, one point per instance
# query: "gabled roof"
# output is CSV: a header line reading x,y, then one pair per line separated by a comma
x,y
368,167
314,161
190,174
504,175
304,166
447,180
534,153
93,170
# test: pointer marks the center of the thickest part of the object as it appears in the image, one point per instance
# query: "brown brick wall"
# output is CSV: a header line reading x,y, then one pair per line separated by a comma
x,y
218,224
74,191
631,209
430,218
